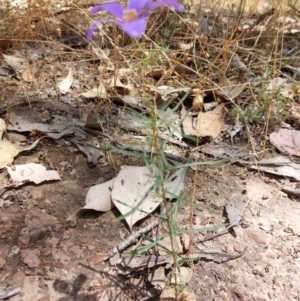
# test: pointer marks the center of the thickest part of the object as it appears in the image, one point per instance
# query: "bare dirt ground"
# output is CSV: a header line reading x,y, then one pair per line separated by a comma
x,y
51,257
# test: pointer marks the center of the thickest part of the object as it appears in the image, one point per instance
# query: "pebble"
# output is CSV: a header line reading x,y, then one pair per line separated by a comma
x,y
31,258
257,236
239,291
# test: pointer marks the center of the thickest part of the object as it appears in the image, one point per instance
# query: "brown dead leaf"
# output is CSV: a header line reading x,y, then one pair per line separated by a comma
x,y
207,124
210,123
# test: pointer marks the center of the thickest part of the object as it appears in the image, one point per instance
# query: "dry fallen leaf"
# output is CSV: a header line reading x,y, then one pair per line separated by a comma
x,y
97,92
65,85
234,209
287,141
231,87
31,172
99,197
280,165
19,64
133,194
207,124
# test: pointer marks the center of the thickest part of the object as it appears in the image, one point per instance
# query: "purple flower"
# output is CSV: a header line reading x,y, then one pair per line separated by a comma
x,y
133,18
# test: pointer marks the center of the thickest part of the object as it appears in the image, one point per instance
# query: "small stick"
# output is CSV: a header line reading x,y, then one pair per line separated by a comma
x,y
226,230
132,239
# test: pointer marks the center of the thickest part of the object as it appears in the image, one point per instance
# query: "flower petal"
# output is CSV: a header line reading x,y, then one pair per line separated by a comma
x,y
114,8
92,28
134,28
158,4
138,5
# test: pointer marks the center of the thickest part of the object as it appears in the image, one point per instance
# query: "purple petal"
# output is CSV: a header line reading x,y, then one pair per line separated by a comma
x,y
138,5
134,28
158,4
114,8
92,28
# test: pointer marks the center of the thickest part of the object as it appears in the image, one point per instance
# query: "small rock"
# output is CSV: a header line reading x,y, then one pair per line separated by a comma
x,y
265,197
239,291
257,236
52,242
39,224
257,256
15,250
31,258
238,248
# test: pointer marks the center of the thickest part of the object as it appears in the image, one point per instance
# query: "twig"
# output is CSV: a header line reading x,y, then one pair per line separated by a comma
x,y
210,237
132,239
10,291
3,190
